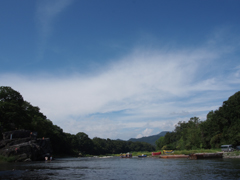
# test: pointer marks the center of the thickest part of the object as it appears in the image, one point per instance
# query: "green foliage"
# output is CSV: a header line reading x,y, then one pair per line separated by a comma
x,y
7,159
84,143
168,147
160,142
12,112
222,126
108,146
15,113
187,152
180,144
215,141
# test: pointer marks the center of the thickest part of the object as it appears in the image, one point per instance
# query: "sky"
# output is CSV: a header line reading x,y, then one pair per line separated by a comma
x,y
121,69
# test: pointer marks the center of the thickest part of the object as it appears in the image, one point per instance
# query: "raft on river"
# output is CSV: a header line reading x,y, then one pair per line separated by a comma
x,y
167,151
174,156
142,156
205,155
156,153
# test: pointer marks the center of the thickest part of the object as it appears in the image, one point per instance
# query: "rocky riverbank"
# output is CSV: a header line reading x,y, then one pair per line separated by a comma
x,y
233,155
23,145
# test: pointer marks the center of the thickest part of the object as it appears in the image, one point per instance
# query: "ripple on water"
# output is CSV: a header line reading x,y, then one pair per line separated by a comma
x,y
116,168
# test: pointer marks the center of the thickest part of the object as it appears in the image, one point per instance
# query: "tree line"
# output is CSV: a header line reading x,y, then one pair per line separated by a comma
x,y
16,113
222,126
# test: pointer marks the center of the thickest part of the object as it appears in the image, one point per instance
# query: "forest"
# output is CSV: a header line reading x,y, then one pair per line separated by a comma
x,y
221,126
16,113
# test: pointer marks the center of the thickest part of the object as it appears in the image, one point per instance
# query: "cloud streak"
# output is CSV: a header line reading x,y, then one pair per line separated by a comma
x,y
46,13
142,93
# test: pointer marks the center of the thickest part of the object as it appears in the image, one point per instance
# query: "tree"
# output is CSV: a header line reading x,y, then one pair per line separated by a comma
x,y
223,125
7,94
12,113
85,144
160,142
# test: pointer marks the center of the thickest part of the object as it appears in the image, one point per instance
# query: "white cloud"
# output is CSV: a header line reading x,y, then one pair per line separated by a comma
x,y
144,89
145,133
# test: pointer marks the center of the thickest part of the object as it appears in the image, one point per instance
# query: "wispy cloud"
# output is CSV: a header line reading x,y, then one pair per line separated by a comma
x,y
139,94
145,133
46,13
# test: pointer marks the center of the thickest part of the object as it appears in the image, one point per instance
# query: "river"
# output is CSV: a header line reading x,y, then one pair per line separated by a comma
x,y
116,168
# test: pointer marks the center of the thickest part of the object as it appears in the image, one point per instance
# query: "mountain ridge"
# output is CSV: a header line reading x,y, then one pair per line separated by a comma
x,y
150,139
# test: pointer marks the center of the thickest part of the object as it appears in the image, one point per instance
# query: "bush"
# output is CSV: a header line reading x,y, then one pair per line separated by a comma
x,y
7,159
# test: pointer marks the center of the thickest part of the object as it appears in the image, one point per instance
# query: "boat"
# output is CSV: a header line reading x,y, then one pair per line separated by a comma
x,y
205,155
127,155
168,151
156,153
143,155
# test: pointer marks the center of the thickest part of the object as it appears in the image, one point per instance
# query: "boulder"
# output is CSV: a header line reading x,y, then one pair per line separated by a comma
x,y
25,148
16,134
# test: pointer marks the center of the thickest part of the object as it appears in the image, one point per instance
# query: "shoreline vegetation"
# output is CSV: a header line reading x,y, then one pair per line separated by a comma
x,y
222,126
18,114
227,155
7,159
234,154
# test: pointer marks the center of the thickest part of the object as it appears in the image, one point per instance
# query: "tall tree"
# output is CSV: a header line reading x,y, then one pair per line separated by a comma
x,y
12,112
85,144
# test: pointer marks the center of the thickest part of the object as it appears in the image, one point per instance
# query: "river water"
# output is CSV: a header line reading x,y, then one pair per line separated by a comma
x,y
116,168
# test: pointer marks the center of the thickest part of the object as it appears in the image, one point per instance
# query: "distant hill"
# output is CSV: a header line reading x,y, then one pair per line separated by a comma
x,y
150,139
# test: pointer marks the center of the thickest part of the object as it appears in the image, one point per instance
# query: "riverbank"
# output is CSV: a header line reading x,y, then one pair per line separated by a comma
x,y
235,154
232,155
175,152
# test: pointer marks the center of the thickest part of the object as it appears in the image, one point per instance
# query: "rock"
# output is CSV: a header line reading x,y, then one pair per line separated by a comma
x,y
21,157
27,160
23,147
16,134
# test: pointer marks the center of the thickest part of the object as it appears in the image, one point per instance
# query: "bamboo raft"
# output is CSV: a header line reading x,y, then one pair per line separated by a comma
x,y
205,155
174,156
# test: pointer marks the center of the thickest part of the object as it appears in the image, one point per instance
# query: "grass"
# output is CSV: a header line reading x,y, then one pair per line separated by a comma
x,y
196,151
141,152
176,152
7,159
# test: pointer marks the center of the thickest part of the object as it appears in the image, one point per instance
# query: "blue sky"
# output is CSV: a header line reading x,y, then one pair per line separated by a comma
x,y
121,69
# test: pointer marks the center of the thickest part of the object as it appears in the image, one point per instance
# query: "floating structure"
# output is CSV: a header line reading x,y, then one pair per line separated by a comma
x,y
174,156
142,156
205,155
167,151
156,153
